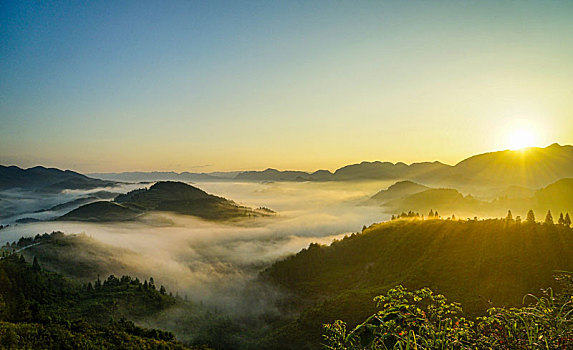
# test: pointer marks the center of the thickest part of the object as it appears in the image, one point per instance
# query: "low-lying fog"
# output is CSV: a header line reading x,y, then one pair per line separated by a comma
x,y
209,261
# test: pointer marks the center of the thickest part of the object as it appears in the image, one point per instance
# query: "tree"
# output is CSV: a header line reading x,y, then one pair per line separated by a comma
x,y
561,220
36,266
509,216
518,219
436,215
431,214
567,220
549,218
162,290
530,216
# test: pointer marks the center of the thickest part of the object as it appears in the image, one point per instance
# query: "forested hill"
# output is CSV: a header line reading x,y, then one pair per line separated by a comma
x,y
44,310
168,196
478,263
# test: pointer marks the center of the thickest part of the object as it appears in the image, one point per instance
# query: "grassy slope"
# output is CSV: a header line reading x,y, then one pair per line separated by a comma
x,y
474,263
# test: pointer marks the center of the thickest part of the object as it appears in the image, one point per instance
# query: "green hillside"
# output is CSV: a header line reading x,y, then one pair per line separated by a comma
x,y
478,263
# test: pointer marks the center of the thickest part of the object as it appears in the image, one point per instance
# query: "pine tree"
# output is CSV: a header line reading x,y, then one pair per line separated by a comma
x,y
561,220
162,290
549,218
530,216
98,283
36,266
509,216
431,214
90,288
567,220
436,215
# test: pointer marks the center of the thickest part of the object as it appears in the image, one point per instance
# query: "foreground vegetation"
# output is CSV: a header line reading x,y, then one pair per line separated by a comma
x,y
424,320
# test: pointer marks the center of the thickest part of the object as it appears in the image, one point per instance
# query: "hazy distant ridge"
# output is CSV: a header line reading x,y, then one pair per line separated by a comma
x,y
535,167
47,179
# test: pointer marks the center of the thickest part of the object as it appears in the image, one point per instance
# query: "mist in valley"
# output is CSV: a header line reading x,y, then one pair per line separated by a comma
x,y
216,265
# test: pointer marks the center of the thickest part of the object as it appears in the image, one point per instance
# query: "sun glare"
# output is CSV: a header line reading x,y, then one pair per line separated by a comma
x,y
521,138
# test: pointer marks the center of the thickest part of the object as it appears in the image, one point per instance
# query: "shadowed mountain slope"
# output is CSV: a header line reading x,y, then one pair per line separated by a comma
x,y
47,179
175,197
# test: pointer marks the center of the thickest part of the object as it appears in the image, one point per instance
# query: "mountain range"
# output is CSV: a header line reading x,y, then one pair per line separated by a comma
x,y
534,167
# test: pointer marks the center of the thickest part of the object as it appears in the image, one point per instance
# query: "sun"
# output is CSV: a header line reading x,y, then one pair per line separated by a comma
x,y
521,138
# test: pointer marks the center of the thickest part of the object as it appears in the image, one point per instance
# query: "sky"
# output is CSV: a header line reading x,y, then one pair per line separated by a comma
x,y
204,86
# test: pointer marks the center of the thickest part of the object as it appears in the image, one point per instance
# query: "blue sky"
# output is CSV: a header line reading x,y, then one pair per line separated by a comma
x,y
178,85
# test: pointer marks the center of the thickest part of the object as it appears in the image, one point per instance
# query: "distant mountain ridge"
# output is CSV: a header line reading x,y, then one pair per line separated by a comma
x,y
47,179
533,166
141,176
530,167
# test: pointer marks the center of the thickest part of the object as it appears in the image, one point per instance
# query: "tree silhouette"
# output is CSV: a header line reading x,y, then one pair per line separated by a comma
x,y
35,265
509,216
561,220
431,214
567,220
549,218
530,216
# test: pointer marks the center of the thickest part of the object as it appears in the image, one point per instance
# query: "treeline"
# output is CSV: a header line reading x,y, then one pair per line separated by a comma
x,y
563,220
11,247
